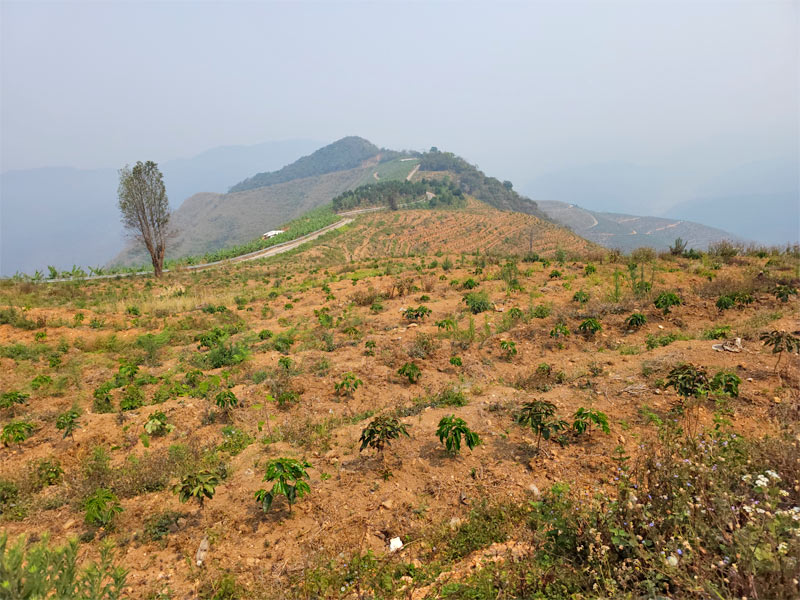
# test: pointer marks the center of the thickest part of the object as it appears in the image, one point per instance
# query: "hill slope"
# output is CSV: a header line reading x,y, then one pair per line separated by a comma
x,y
477,227
208,222
283,341
627,232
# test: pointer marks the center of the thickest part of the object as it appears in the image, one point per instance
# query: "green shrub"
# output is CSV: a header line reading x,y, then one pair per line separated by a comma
x,y
68,422
539,415
738,299
12,399
635,321
289,476
726,383
658,341
450,432
581,297
584,418
349,384
16,432
666,300
283,342
590,327
783,292
780,342
410,371
132,398
509,348
688,380
380,432
717,332
101,508
48,472
416,314
477,302
541,311
157,424
39,571
226,400
41,381
197,486
226,355
234,440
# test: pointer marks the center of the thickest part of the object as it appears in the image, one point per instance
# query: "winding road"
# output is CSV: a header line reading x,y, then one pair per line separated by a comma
x,y
263,253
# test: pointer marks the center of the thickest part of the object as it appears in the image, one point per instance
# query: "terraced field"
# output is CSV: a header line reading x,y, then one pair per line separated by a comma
x,y
475,228
619,451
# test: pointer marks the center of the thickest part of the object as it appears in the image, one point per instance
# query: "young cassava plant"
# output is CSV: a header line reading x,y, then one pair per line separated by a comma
x,y
380,432
410,371
349,384
585,418
68,422
539,415
197,486
289,476
452,430
780,342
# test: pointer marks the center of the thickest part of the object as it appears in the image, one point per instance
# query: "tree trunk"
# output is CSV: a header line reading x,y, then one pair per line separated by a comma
x,y
158,261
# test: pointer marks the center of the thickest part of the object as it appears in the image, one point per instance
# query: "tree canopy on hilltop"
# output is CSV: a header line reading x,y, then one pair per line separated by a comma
x,y
396,193
346,153
474,182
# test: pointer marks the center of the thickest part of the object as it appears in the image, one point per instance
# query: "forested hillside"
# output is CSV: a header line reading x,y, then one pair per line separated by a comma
x,y
474,182
347,153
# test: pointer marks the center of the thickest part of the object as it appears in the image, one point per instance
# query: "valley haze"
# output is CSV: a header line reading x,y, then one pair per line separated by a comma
x,y
687,111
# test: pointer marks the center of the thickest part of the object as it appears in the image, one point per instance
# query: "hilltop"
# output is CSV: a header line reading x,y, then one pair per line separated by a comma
x,y
208,222
342,155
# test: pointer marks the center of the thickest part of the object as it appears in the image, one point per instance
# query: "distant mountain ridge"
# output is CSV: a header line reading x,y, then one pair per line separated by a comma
x,y
628,232
758,200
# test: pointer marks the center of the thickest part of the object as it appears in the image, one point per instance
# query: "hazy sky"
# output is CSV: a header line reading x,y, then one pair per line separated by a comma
x,y
518,88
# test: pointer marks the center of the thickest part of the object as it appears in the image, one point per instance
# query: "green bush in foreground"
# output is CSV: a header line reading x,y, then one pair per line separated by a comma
x,y
712,516
41,571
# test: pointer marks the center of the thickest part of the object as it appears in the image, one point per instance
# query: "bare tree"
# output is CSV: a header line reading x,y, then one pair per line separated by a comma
x,y
145,209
